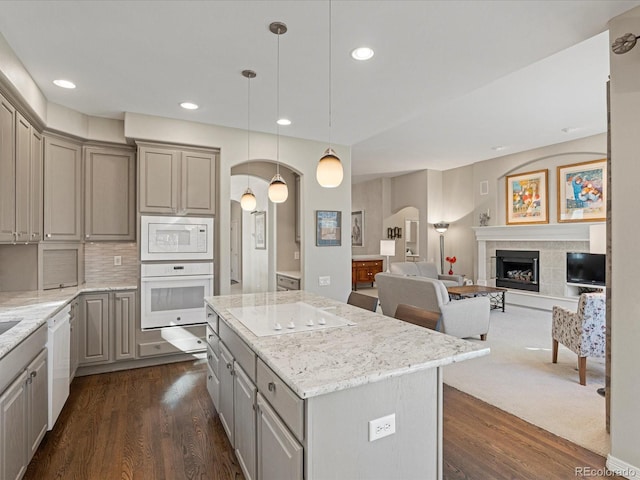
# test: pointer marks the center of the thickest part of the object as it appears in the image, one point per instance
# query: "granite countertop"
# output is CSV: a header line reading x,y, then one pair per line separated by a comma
x,y
324,361
33,308
289,273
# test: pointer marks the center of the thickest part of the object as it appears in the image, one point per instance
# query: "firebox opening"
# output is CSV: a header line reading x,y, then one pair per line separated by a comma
x,y
518,269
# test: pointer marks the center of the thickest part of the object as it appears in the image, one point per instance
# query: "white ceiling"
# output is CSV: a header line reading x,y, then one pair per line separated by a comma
x,y
449,80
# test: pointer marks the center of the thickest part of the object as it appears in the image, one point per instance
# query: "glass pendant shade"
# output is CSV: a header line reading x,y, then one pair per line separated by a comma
x,y
329,172
278,190
248,200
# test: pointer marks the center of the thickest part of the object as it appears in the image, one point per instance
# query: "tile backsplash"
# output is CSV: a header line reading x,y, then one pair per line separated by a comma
x,y
99,262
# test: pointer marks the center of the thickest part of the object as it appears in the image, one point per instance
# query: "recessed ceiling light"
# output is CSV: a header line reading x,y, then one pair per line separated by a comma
x,y
570,129
498,148
284,121
189,106
362,53
64,83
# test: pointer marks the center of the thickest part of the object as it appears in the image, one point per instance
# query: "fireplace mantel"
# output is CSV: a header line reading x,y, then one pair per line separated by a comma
x,y
548,232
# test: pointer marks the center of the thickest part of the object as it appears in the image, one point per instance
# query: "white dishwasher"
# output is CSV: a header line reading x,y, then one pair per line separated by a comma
x,y
59,362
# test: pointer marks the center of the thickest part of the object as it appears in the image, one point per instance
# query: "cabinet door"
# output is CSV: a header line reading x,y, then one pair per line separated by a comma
x,y
213,387
62,187
37,402
7,171
125,324
245,422
109,195
35,205
279,453
226,393
23,184
94,329
74,336
13,430
158,179
198,183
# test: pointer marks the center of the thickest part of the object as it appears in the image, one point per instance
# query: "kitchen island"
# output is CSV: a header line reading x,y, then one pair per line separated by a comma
x,y
355,395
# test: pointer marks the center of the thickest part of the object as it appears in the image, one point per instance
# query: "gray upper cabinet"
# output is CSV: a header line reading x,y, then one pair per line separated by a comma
x,y
62,190
20,178
173,180
109,195
37,159
7,172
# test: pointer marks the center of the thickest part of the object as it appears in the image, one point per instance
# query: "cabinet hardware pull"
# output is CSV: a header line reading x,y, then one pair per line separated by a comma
x,y
229,366
210,336
209,314
29,381
199,342
210,377
208,357
272,387
34,374
87,235
178,319
48,235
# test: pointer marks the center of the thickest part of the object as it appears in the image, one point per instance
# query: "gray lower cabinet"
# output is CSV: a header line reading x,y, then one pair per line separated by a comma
x,y
226,393
244,392
75,335
213,366
107,327
109,194
279,454
23,418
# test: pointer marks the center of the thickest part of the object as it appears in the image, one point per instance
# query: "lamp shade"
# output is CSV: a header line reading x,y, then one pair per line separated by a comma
x,y
278,190
388,248
248,200
441,227
329,172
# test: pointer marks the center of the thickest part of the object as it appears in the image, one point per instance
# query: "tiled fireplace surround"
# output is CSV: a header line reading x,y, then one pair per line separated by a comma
x,y
552,240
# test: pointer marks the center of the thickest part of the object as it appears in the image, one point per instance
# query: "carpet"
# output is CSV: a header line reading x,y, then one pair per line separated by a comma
x,y
518,377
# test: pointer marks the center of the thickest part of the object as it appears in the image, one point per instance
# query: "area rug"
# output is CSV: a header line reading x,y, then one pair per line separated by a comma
x,y
518,377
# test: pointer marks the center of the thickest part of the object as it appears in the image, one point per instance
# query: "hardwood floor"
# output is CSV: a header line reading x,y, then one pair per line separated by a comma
x,y
158,423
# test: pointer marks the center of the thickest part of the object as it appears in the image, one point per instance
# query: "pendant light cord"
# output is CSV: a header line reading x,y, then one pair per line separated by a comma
x,y
329,73
278,108
248,127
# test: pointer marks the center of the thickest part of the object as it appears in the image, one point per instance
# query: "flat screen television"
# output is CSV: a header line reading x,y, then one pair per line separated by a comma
x,y
586,268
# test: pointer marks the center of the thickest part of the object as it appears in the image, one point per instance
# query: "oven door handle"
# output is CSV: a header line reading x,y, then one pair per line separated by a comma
x,y
177,277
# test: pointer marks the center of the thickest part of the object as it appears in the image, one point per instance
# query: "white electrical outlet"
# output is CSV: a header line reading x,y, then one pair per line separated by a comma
x,y
117,260
324,281
382,427
296,255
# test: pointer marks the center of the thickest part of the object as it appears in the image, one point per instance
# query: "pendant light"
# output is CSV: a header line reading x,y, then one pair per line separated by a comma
x,y
329,172
248,200
278,191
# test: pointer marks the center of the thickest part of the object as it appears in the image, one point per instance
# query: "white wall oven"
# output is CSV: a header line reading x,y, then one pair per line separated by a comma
x,y
173,293
176,238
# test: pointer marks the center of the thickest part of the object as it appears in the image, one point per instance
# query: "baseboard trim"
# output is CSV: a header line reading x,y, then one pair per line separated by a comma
x,y
622,468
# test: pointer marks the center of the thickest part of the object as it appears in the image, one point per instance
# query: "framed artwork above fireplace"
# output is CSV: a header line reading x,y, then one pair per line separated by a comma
x,y
527,198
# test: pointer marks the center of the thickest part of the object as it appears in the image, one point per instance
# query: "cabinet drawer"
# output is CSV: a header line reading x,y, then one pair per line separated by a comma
x,y
213,340
213,360
288,282
285,402
212,319
239,350
179,345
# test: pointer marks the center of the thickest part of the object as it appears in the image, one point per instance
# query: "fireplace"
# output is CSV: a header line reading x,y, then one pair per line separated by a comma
x,y
518,269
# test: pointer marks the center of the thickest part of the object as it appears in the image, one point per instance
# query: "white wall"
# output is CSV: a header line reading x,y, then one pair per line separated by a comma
x,y
625,301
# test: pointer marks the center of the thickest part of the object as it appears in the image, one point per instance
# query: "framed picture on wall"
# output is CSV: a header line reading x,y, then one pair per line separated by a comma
x,y
357,228
582,192
527,198
328,228
261,230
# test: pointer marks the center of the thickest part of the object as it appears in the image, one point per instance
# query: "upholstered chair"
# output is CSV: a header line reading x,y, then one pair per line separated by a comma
x,y
583,332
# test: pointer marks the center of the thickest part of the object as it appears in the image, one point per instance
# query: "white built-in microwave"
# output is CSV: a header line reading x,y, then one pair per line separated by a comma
x,y
176,238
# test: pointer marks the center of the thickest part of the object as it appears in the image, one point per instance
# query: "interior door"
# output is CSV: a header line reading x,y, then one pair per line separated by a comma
x,y
236,251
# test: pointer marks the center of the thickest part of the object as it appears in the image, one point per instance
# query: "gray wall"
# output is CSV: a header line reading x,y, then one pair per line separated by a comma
x,y
368,197
625,301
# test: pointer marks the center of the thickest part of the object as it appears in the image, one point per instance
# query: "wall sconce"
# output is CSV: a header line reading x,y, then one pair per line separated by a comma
x,y
394,232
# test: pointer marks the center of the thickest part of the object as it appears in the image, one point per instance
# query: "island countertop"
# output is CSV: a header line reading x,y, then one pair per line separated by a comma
x,y
323,361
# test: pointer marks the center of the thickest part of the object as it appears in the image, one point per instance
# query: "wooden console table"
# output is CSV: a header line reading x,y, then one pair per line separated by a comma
x,y
364,271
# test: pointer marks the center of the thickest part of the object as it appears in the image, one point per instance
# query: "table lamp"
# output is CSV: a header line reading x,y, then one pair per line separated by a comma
x,y
388,249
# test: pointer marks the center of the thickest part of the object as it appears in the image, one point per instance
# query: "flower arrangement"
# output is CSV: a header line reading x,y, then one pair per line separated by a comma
x,y
451,261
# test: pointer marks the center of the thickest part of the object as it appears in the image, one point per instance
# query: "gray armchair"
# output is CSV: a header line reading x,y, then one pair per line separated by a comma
x,y
460,318
427,270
